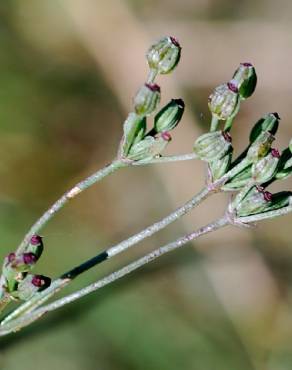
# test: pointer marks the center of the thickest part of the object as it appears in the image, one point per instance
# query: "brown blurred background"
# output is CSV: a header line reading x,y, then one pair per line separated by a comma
x,y
68,72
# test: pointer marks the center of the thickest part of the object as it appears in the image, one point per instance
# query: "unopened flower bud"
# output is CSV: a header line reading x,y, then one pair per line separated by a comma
x,y
219,167
30,285
269,122
134,131
164,55
147,99
169,116
260,147
29,258
246,79
213,145
149,147
36,245
224,100
254,201
265,169
285,164
239,180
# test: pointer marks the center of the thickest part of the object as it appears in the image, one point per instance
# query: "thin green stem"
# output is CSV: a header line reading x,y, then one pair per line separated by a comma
x,y
30,317
167,159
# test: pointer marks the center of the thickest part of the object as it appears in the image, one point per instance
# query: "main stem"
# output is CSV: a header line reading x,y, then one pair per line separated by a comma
x,y
38,313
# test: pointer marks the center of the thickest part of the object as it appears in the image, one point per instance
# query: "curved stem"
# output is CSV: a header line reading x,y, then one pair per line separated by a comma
x,y
66,278
34,315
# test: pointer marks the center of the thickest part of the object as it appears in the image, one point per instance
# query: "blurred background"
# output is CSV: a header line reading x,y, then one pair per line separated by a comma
x,y
68,72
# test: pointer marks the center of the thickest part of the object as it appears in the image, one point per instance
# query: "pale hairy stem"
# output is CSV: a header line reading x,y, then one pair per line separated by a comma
x,y
66,278
79,188
28,318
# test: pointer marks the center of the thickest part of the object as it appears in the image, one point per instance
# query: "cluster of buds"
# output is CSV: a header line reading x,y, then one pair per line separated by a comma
x,y
259,164
19,282
137,144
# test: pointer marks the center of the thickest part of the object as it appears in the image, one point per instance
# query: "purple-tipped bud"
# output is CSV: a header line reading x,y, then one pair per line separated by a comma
x,y
164,55
11,257
227,136
232,85
41,281
29,258
275,153
246,79
175,42
153,87
166,136
147,99
36,240
246,64
267,196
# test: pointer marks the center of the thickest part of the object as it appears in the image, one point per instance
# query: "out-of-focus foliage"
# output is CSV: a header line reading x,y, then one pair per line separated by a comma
x,y
60,118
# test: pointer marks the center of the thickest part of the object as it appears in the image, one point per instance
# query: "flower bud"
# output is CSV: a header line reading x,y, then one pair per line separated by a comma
x,y
246,79
134,131
36,246
147,99
164,55
30,285
224,100
239,180
219,167
149,147
285,165
265,169
254,201
260,147
269,122
213,145
169,116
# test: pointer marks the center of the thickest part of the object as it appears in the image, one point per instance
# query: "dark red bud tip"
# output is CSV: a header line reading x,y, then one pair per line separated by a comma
x,y
166,136
175,42
29,258
11,257
232,86
276,115
246,64
227,136
40,281
153,87
179,102
36,240
267,196
260,189
275,153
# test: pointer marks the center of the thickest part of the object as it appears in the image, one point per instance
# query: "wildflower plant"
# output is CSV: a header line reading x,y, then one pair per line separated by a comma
x,y
248,177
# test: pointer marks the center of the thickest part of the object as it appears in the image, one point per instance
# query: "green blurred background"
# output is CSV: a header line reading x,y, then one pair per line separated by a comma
x,y
68,71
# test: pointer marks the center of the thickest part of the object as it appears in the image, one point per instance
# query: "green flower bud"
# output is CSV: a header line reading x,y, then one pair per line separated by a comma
x,y
265,169
147,99
219,167
169,116
164,55
224,100
285,165
30,285
36,246
149,147
260,147
213,145
239,180
252,201
269,122
246,79
134,130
